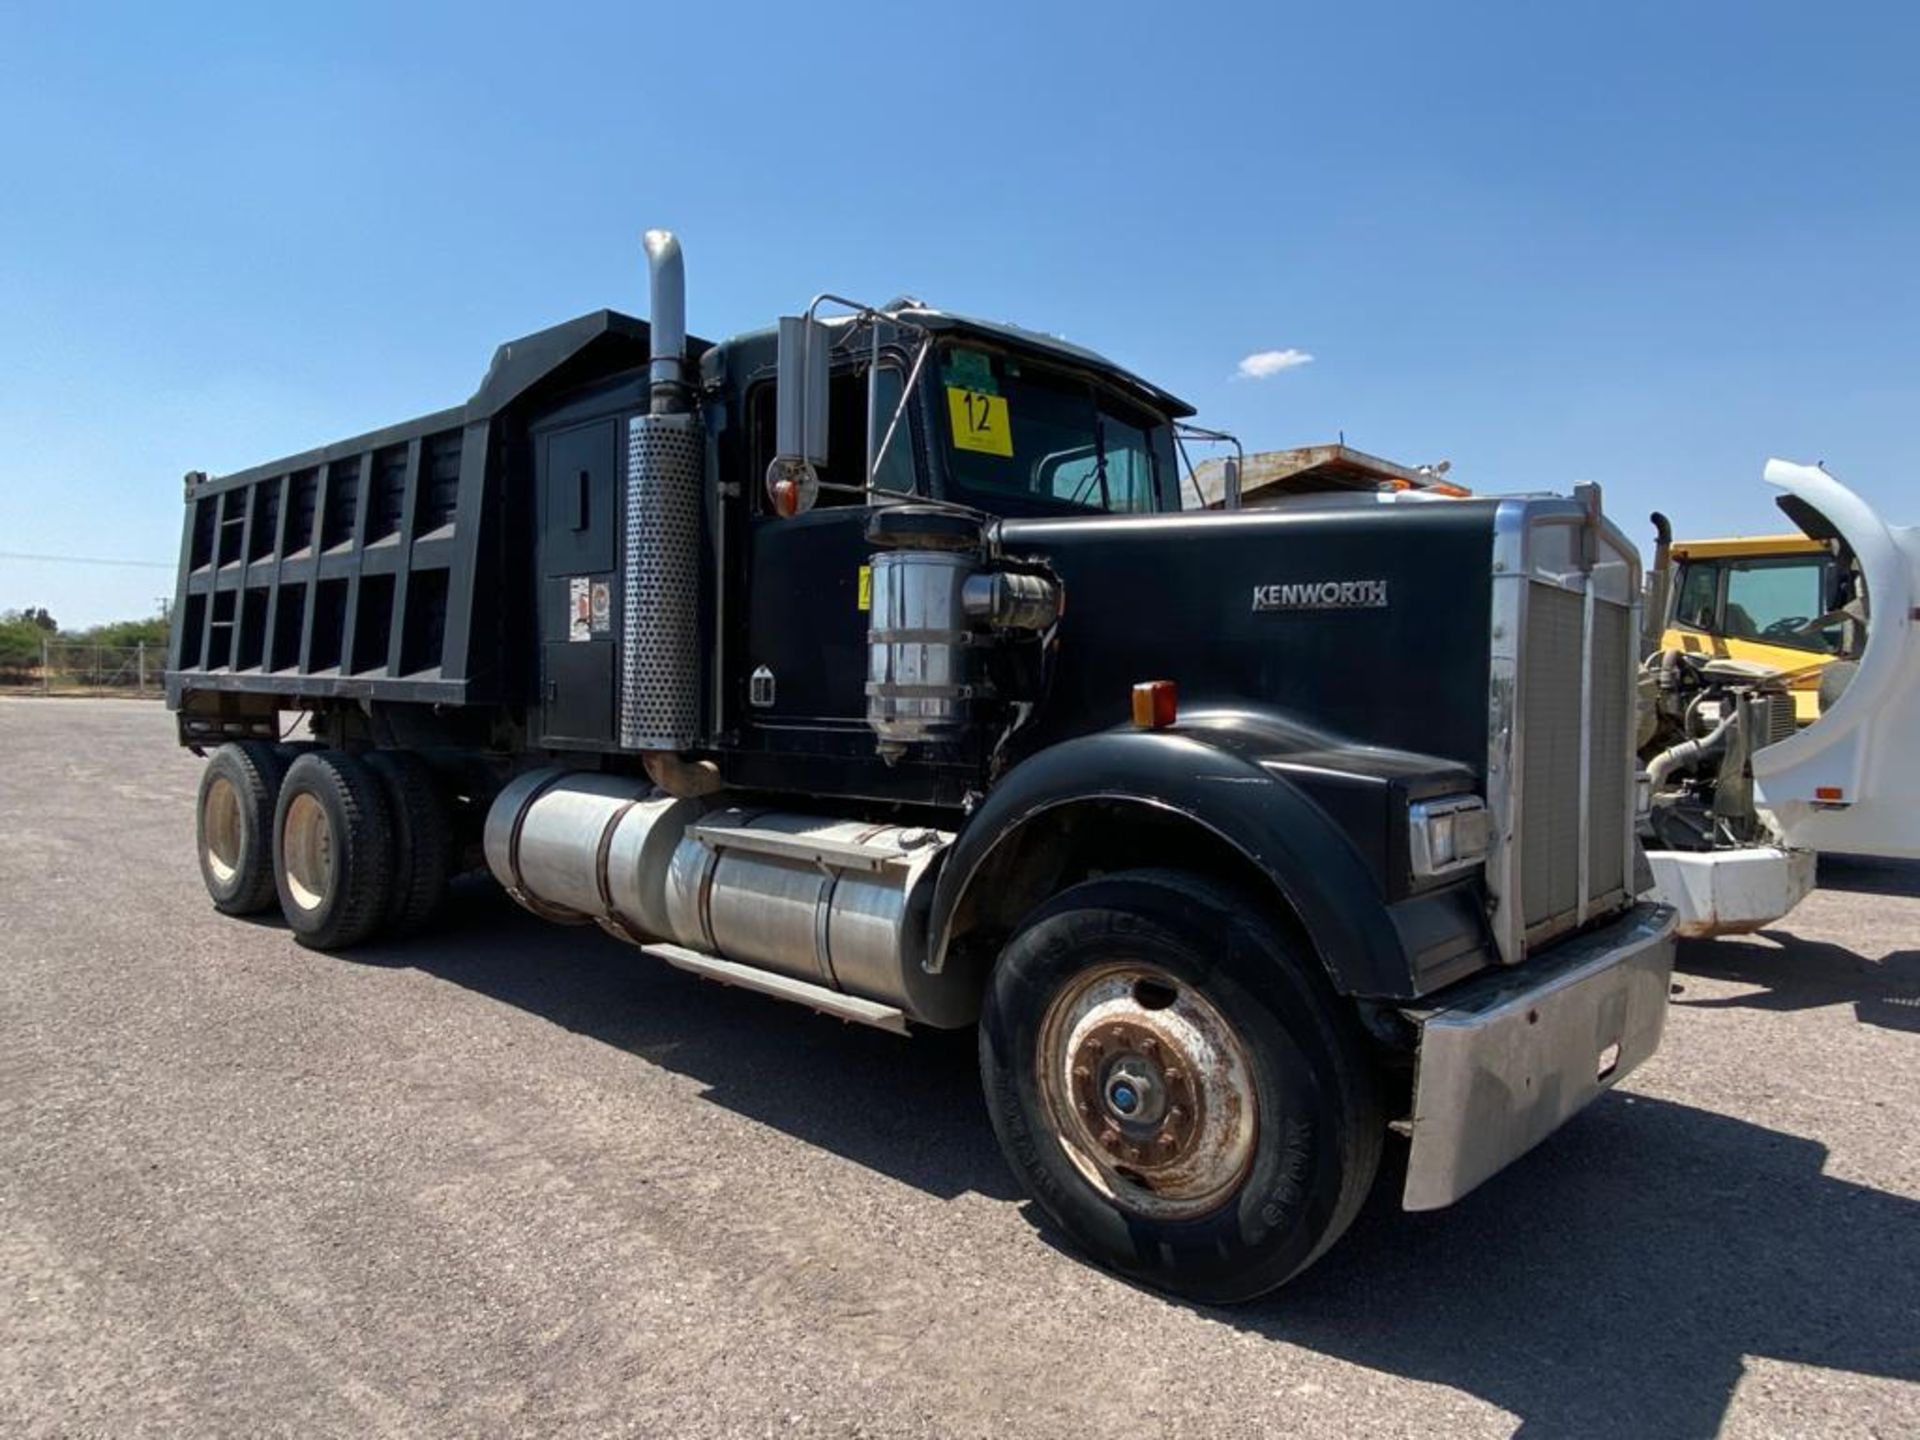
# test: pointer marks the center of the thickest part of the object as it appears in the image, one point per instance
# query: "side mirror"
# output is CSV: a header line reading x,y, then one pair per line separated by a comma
x,y
800,425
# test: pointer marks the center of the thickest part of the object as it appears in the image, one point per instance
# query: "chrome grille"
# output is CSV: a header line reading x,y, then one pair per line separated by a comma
x,y
1560,734
1611,793
1550,756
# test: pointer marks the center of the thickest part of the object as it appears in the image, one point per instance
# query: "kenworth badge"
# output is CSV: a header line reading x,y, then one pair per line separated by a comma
x,y
1322,595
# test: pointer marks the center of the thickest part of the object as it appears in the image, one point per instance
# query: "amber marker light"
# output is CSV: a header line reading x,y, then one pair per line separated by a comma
x,y
1826,794
1155,704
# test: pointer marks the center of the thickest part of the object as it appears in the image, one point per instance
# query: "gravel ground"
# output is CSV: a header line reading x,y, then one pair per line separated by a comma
x,y
516,1178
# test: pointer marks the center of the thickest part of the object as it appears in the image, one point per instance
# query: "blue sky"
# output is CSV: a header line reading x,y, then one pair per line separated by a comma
x,y
1649,245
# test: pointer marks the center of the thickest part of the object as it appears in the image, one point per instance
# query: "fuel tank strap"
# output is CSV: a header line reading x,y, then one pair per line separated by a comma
x,y
834,854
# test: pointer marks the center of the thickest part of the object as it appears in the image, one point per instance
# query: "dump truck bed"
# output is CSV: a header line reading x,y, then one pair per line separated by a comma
x,y
381,567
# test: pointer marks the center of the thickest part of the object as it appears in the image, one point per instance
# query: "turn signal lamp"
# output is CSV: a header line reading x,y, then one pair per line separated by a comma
x,y
1155,704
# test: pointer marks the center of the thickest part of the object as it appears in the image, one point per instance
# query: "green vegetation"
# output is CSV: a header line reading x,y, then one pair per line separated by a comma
x,y
22,631
19,645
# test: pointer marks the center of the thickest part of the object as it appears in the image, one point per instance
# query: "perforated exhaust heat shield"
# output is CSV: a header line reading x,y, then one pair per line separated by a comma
x,y
660,671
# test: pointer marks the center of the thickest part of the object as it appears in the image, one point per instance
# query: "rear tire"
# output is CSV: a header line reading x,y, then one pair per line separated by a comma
x,y
1178,1086
333,851
422,840
233,826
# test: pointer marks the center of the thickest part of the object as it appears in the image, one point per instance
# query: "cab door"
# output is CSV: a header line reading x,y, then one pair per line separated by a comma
x,y
805,644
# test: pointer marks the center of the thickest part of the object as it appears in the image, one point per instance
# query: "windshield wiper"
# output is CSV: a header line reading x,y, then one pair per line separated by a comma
x,y
1099,471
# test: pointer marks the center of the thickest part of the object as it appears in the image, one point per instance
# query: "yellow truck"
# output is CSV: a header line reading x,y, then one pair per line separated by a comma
x,y
1782,601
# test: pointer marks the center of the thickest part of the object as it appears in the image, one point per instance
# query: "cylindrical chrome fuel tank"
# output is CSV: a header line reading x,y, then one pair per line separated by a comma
x,y
842,903
575,846
839,903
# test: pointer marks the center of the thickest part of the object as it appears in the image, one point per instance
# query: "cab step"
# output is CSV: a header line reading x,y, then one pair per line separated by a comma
x,y
781,987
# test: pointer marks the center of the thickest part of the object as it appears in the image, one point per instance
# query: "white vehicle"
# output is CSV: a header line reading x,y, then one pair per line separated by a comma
x,y
1739,801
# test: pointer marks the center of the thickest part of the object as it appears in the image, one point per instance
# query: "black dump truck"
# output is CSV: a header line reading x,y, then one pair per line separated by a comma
x,y
1245,838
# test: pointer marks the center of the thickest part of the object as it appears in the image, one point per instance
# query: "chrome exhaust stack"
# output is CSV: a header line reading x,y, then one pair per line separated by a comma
x,y
660,658
667,284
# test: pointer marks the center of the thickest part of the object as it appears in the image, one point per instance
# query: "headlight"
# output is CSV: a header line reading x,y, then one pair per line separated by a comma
x,y
1447,835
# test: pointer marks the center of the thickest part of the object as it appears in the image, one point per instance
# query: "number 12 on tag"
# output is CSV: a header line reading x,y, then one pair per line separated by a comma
x,y
980,421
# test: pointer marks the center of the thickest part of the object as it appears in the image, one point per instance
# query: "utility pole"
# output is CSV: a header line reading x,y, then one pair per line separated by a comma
x,y
46,666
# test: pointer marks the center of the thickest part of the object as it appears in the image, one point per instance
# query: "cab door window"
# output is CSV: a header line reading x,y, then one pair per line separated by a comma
x,y
844,474
1698,604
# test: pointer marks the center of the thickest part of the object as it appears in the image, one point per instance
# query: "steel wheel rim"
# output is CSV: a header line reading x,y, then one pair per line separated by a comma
x,y
306,847
220,828
1149,1090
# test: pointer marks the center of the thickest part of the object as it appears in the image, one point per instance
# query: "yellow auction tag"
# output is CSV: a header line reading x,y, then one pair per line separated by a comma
x,y
980,421
866,587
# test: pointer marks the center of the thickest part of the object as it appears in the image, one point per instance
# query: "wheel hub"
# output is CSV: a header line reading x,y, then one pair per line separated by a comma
x,y
1140,1105
1149,1089
220,824
306,847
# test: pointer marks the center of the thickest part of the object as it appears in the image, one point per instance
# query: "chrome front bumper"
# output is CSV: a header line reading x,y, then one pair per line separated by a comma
x,y
1508,1057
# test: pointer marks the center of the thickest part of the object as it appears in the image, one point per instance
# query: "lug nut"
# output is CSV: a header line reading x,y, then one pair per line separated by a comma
x,y
1081,1072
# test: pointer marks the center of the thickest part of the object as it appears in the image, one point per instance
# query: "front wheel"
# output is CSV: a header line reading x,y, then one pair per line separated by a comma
x,y
1179,1091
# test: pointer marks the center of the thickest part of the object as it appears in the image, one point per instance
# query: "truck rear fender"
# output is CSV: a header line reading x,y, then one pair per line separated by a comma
x,y
1129,797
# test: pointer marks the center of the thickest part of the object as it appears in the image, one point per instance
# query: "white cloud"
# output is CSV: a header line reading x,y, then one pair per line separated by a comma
x,y
1262,363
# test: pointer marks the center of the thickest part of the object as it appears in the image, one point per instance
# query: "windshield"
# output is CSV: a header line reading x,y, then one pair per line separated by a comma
x,y
1016,429
1774,600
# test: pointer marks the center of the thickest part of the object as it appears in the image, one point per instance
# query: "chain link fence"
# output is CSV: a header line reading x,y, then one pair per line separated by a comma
x,y
70,667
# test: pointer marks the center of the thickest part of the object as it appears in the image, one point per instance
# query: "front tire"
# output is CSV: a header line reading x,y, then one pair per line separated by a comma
x,y
333,851
1177,1086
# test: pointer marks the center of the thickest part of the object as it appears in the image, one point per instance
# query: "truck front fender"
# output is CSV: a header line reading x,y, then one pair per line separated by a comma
x,y
1847,782
1228,801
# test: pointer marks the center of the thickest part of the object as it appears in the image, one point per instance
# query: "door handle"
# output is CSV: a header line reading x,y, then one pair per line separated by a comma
x,y
585,511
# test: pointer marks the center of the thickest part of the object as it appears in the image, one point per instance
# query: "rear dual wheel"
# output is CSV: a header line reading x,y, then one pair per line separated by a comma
x,y
350,847
334,850
422,840
233,825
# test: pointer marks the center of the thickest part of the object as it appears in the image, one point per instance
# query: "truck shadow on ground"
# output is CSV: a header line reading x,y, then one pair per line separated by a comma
x,y
910,1109
1866,875
1796,974
1611,1282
